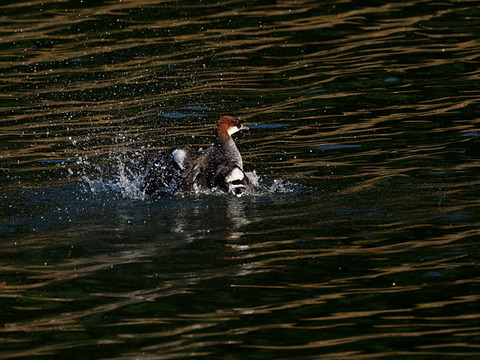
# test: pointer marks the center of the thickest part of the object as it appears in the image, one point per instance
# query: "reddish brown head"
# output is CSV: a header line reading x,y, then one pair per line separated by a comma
x,y
228,125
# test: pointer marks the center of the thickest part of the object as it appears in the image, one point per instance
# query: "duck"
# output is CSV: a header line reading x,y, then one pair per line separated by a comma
x,y
183,170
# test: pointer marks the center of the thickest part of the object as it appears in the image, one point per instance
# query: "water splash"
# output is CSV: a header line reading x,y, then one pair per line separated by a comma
x,y
123,174
282,186
120,174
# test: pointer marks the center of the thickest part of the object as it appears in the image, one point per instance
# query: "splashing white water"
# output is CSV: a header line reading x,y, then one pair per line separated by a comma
x,y
120,175
281,186
130,183
124,175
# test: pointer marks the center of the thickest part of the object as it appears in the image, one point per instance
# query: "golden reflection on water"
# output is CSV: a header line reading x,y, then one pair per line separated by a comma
x,y
394,82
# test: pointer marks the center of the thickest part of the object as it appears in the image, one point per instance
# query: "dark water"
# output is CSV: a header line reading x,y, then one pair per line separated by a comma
x,y
362,241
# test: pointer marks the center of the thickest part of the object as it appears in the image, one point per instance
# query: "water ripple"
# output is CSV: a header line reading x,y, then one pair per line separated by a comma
x,y
361,240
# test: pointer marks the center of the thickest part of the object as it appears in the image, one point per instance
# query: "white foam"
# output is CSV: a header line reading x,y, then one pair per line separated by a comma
x,y
124,175
130,183
254,178
281,186
121,177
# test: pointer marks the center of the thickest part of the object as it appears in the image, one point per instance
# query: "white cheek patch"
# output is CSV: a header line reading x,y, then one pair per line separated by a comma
x,y
179,156
235,175
233,130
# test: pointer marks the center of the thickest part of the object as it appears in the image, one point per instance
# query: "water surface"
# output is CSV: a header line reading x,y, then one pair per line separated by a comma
x,y
361,241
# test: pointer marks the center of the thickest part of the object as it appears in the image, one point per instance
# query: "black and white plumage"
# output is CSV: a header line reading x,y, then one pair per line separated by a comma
x,y
182,169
